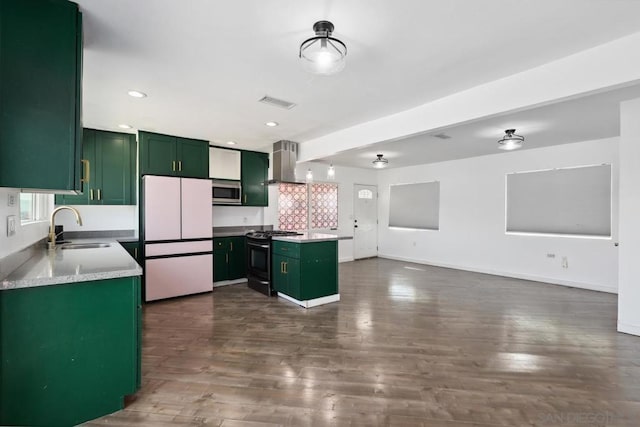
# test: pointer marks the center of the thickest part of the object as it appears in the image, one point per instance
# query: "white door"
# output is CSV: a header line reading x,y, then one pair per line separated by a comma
x,y
161,208
196,208
365,221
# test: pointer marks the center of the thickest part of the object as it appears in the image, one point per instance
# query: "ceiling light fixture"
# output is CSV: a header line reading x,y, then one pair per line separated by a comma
x,y
380,162
231,143
331,172
272,124
137,94
511,141
323,54
123,126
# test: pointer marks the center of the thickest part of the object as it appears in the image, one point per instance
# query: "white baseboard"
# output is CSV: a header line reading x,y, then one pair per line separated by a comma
x,y
229,282
346,259
312,302
629,328
550,280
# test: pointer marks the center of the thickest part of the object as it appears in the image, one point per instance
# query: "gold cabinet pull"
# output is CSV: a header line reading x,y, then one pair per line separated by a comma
x,y
87,170
245,198
285,268
91,194
226,256
231,246
99,194
135,253
173,166
179,165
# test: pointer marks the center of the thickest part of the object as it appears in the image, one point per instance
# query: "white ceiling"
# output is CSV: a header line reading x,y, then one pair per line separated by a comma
x,y
204,64
586,118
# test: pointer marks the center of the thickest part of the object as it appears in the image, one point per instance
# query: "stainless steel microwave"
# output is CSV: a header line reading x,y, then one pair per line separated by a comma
x,y
226,192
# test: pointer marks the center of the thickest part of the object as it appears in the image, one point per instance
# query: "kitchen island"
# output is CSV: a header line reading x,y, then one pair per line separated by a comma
x,y
305,268
70,334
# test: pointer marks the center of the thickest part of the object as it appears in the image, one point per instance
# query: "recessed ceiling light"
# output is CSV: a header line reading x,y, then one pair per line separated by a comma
x,y
137,94
123,126
231,143
272,124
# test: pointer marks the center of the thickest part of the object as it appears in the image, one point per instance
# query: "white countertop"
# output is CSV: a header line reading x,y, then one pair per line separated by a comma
x,y
307,238
73,265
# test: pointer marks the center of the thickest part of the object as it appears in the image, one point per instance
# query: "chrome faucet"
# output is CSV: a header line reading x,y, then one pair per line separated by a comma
x,y
52,226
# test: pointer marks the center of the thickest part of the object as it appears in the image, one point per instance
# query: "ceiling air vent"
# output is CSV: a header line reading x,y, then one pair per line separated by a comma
x,y
441,136
277,102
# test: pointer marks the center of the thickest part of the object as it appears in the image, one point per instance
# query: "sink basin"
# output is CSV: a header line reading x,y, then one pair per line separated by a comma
x,y
84,245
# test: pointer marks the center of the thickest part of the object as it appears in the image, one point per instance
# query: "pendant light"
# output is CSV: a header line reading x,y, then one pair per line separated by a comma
x,y
380,162
510,141
323,54
331,172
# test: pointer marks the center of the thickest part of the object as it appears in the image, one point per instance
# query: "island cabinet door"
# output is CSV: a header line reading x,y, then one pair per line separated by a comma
x,y
278,275
292,271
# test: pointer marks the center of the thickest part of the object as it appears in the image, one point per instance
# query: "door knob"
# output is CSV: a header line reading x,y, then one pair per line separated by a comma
x,y
355,226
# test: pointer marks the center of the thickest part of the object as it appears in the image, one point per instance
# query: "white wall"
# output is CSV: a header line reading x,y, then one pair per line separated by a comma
x,y
345,177
629,268
224,216
472,220
25,235
96,218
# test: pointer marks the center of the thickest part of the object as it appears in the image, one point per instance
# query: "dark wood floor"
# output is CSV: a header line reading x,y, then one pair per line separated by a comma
x,y
408,345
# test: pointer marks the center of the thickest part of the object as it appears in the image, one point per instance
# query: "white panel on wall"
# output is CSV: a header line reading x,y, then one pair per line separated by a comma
x,y
415,205
561,201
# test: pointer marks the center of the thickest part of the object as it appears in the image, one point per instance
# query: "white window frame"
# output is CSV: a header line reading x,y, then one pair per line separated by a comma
x,y
41,205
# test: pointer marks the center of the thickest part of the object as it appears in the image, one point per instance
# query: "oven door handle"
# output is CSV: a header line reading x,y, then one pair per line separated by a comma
x,y
258,246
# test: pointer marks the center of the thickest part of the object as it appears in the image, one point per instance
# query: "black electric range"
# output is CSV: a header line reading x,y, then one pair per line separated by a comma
x,y
259,259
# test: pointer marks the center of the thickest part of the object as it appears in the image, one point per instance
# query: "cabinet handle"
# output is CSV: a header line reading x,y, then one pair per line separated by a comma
x,y
87,170
91,194
99,194
135,253
226,257
245,198
285,268
179,165
231,245
281,266
173,166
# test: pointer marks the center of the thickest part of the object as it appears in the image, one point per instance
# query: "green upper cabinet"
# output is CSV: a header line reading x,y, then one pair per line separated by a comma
x,y
254,175
40,94
110,160
174,156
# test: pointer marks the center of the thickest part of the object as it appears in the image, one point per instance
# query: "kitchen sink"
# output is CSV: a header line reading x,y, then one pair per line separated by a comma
x,y
84,245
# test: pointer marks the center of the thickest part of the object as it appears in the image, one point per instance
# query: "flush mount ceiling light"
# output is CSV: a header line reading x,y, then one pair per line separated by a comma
x,y
323,54
510,141
137,94
380,162
272,124
123,126
231,143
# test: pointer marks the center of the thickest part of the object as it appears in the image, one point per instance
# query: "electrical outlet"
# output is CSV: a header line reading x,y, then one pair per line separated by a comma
x,y
11,225
12,199
551,255
565,262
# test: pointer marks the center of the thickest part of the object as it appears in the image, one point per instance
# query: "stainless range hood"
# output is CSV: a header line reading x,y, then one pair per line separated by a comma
x,y
285,156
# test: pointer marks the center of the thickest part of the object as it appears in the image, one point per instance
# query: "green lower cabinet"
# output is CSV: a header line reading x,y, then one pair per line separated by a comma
x,y
305,271
229,258
68,353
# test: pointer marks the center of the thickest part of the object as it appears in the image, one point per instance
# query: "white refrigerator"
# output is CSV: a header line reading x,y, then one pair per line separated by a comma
x,y
176,231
